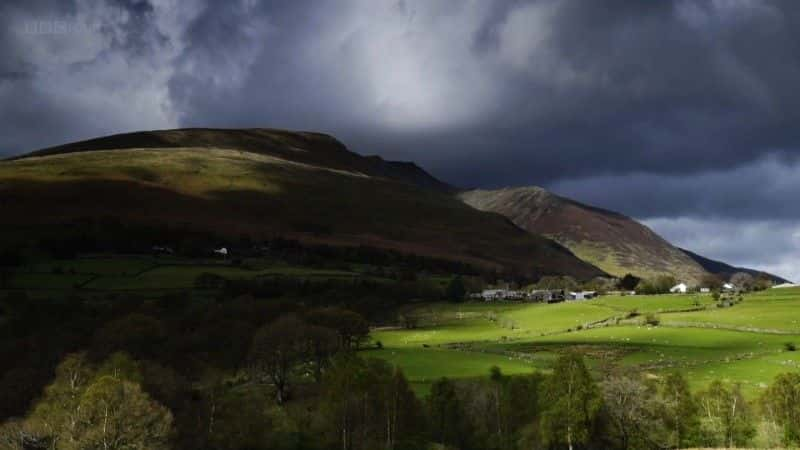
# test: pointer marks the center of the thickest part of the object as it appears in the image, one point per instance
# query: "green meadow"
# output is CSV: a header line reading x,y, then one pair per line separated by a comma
x,y
746,343
140,273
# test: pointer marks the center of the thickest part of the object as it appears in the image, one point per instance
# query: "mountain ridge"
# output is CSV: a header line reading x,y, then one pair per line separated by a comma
x,y
264,183
725,270
290,145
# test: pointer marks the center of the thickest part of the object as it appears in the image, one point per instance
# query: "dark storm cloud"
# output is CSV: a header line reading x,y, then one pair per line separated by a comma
x,y
665,110
508,92
75,69
765,189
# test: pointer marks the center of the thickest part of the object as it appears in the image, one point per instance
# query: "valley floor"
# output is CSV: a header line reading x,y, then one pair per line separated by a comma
x,y
748,343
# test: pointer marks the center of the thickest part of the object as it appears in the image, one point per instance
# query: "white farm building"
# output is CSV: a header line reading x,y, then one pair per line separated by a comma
x,y
679,288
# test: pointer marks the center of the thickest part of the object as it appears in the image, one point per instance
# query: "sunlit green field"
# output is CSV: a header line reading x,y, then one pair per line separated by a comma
x,y
746,343
773,310
424,367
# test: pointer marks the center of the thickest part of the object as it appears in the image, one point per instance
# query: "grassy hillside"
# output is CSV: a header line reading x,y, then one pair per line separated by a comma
x,y
305,147
317,193
615,243
726,270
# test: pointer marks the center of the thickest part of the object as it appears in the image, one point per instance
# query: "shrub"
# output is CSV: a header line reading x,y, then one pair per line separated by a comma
x,y
652,320
790,346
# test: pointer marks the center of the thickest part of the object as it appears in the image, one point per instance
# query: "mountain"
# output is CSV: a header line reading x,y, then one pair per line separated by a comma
x,y
611,241
303,147
264,183
726,270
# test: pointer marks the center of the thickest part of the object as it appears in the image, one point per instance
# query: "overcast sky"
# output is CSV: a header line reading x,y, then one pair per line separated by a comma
x,y
684,114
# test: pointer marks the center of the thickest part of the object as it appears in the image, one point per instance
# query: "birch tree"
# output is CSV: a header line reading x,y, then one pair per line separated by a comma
x,y
572,401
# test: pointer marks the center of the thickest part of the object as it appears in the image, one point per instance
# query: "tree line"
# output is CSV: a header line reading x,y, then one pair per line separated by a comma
x,y
304,385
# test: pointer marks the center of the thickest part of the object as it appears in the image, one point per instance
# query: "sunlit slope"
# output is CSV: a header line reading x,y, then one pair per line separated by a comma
x,y
299,146
234,192
613,242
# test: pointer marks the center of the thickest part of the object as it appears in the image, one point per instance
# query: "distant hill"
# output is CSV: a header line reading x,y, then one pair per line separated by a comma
x,y
264,183
726,270
611,241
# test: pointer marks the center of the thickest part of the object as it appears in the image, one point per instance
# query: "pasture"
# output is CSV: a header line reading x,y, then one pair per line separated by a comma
x,y
745,343
145,273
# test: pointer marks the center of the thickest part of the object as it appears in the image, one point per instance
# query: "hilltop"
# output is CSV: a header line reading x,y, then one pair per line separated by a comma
x,y
306,147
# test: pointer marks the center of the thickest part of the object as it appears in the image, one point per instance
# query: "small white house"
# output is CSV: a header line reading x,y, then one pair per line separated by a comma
x,y
582,295
222,251
705,290
679,288
784,285
728,287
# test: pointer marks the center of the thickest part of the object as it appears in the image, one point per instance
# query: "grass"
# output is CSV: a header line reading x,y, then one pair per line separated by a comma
x,y
94,266
144,273
447,324
47,281
776,310
705,344
654,303
422,368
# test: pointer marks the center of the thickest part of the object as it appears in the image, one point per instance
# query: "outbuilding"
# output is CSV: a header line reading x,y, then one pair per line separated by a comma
x,y
679,288
582,295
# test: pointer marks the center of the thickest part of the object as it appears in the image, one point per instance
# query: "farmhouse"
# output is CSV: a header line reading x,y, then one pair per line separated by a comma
x,y
728,287
705,290
679,288
501,294
547,295
582,295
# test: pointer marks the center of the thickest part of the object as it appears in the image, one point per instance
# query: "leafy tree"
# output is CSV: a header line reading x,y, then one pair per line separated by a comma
x,y
18,435
628,282
352,328
370,405
554,282
631,407
137,334
87,408
116,414
762,281
456,291
781,402
276,350
448,424
322,343
238,421
680,411
658,285
522,407
572,401
57,414
727,416
711,281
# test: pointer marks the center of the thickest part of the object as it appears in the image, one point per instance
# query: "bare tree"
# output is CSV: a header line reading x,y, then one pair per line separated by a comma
x,y
742,281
